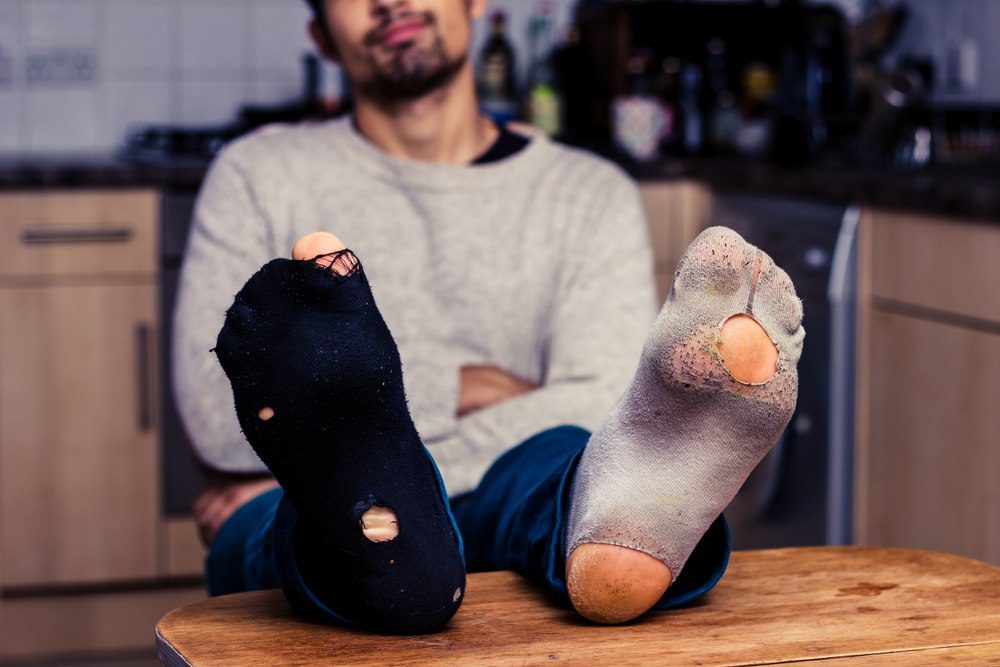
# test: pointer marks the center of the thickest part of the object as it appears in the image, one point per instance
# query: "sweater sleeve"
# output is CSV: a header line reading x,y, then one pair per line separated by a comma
x,y
604,306
230,239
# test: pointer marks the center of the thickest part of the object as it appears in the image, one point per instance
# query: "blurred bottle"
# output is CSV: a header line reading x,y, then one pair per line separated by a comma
x,y
640,120
543,107
722,112
759,83
495,78
689,103
666,83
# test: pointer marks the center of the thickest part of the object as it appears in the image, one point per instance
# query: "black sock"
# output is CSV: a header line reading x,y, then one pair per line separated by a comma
x,y
310,348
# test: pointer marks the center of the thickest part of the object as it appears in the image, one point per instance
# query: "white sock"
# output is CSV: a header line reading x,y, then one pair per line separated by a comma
x,y
683,438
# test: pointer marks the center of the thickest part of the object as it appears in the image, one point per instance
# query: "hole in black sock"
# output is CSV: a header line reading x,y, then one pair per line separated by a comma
x,y
342,263
379,524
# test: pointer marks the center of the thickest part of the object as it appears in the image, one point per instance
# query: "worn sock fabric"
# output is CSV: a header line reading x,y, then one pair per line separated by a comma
x,y
685,435
310,348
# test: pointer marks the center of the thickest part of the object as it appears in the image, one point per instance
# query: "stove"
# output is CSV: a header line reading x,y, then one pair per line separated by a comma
x,y
167,145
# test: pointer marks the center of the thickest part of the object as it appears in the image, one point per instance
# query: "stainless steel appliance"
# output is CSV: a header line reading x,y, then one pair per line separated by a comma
x,y
800,493
183,475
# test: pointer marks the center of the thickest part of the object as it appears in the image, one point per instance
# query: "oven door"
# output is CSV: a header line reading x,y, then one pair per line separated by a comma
x,y
786,500
184,476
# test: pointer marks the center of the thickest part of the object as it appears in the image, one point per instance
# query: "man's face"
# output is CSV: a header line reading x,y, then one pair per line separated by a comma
x,y
399,50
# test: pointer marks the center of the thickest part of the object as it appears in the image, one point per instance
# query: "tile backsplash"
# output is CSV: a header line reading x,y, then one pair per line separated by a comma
x,y
959,38
76,74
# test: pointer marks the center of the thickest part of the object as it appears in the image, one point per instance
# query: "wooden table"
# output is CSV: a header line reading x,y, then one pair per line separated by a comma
x,y
841,605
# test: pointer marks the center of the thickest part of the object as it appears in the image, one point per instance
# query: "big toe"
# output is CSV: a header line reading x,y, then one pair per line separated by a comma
x,y
327,250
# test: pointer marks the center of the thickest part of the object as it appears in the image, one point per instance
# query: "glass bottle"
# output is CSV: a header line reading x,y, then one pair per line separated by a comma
x,y
495,77
544,97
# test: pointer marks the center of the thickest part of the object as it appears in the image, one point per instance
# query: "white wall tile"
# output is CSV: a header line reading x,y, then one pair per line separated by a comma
x,y
276,91
211,102
11,131
62,121
140,36
10,25
940,31
133,103
11,45
61,23
279,36
977,36
989,56
213,38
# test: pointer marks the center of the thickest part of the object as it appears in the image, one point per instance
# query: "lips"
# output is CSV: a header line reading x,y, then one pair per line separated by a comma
x,y
399,31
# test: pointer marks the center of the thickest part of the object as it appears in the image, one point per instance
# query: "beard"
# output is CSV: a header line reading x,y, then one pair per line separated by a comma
x,y
410,70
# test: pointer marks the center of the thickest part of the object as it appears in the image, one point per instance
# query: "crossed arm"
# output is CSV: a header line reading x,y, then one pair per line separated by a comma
x,y
479,387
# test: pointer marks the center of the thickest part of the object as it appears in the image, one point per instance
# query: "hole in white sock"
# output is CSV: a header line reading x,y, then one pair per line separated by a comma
x,y
379,524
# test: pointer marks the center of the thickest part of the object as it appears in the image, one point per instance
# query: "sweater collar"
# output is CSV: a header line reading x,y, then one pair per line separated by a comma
x,y
424,175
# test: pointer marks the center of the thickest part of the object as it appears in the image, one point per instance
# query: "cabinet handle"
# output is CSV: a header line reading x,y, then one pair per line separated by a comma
x,y
38,235
144,405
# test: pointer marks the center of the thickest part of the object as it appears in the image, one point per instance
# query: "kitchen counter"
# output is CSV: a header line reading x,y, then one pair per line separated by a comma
x,y
966,192
95,171
953,191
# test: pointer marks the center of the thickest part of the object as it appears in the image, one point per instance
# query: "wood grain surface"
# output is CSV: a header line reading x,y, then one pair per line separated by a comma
x,y
872,605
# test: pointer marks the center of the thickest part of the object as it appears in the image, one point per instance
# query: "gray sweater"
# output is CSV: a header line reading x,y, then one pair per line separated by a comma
x,y
538,264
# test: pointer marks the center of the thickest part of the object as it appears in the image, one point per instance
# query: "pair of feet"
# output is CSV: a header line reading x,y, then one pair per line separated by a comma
x,y
318,389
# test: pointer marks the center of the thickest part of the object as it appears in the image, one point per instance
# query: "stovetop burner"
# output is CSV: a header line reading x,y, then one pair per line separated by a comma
x,y
163,144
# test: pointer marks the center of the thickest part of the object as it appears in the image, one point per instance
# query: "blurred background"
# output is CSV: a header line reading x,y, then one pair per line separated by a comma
x,y
856,141
76,76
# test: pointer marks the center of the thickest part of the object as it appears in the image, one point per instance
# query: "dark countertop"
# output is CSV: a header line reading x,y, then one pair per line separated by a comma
x,y
966,191
95,171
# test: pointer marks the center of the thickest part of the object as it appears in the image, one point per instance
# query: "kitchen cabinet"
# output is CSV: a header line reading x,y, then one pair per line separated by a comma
x,y
77,444
677,211
927,467
81,530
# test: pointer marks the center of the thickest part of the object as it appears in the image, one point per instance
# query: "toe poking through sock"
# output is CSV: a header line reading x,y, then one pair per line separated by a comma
x,y
341,262
265,414
748,354
327,251
379,524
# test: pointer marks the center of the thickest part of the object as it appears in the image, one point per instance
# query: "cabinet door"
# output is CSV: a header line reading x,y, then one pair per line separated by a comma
x,y
78,458
676,211
929,474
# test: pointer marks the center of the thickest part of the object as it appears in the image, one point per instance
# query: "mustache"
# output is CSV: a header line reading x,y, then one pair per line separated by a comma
x,y
372,35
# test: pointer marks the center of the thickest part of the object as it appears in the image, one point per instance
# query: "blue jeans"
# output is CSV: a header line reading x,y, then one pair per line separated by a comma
x,y
513,520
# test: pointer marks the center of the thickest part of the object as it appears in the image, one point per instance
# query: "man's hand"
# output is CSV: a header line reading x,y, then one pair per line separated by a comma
x,y
482,386
223,495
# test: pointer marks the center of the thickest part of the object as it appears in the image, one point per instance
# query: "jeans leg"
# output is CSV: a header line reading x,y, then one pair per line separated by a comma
x,y
241,556
254,550
513,520
516,517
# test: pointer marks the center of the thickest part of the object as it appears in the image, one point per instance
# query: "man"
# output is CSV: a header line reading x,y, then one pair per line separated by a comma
x,y
507,243
514,278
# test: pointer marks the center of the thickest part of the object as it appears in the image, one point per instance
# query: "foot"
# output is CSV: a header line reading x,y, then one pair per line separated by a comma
x,y
714,390
318,387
